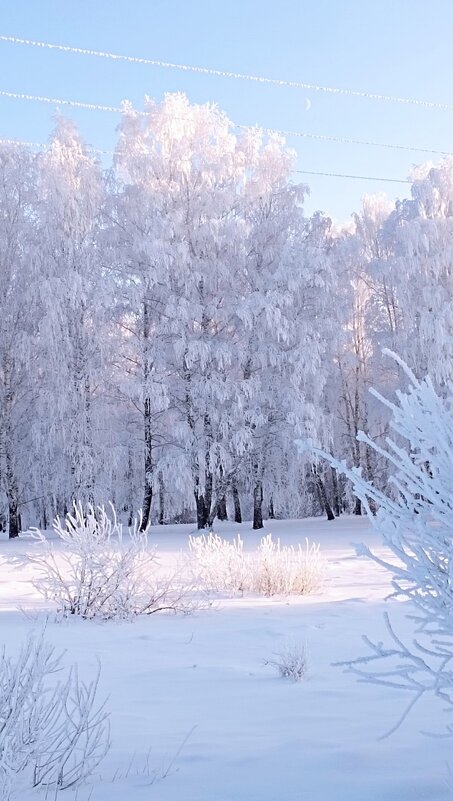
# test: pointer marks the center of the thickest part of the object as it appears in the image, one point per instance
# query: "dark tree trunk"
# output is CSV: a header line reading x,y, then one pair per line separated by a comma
x,y
207,499
237,505
222,513
353,421
204,500
323,495
258,506
13,495
336,494
161,500
130,488
271,509
83,458
89,444
44,516
369,475
148,491
208,477
148,487
202,514
319,496
14,519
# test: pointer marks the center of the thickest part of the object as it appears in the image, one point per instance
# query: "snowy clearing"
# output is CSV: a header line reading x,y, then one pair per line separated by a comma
x,y
196,713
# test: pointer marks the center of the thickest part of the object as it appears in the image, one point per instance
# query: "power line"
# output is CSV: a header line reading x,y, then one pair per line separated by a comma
x,y
44,145
22,143
355,177
280,131
301,172
347,141
58,101
228,74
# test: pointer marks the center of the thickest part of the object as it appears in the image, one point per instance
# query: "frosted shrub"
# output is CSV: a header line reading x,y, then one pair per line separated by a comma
x,y
273,569
285,570
415,521
290,663
51,732
221,565
97,571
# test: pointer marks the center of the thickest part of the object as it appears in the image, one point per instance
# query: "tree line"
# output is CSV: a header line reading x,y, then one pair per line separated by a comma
x,y
174,326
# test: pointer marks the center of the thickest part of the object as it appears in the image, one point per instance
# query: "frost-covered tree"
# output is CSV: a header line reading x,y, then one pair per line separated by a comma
x,y
368,312
70,192
211,236
19,314
184,318
284,364
418,234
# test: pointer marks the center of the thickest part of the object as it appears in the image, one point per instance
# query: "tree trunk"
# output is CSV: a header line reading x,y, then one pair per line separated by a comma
x,y
148,491
336,493
222,513
370,477
14,521
202,514
89,443
81,448
323,495
130,487
258,506
208,477
318,496
13,500
12,490
204,500
237,504
161,499
357,507
271,509
44,516
148,488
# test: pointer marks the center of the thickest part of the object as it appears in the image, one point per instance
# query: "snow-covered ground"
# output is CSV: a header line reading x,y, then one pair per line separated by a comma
x,y
197,715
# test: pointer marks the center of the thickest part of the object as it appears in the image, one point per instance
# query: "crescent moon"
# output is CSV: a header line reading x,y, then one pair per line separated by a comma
x,y
307,104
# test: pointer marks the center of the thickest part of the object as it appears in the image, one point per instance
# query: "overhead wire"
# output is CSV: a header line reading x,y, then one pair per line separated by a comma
x,y
58,101
347,141
314,87
41,145
356,177
270,131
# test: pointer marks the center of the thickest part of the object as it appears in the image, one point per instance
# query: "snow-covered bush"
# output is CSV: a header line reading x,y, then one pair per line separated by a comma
x,y
273,569
285,570
95,570
51,732
221,565
290,663
416,523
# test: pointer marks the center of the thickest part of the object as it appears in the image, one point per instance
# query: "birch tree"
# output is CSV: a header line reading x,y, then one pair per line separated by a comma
x,y
70,198
18,323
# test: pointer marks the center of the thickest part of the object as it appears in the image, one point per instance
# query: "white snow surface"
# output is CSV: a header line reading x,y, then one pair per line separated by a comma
x,y
197,715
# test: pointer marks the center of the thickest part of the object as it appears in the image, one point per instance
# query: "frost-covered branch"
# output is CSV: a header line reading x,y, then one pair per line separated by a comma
x,y
53,730
416,523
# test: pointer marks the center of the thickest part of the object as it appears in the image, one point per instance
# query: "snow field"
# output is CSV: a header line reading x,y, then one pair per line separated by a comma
x,y
196,713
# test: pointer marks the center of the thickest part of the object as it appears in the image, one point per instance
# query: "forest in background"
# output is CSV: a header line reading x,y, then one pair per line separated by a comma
x,y
172,327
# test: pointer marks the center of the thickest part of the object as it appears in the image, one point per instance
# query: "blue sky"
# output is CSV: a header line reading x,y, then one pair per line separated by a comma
x,y
399,48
